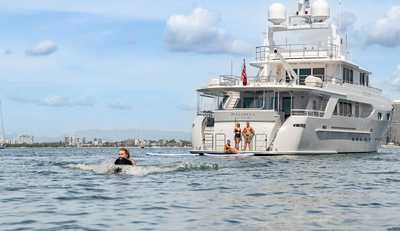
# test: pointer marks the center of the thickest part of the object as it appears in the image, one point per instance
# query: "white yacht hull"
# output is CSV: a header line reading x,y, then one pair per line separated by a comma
x,y
301,135
335,135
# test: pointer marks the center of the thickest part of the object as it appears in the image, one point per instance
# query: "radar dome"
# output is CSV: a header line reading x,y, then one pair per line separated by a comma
x,y
320,10
277,13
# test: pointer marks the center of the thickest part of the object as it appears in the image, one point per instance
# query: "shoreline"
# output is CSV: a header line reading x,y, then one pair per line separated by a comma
x,y
105,147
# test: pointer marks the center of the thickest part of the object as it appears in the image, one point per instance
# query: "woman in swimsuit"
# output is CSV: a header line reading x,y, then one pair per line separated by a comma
x,y
124,158
238,136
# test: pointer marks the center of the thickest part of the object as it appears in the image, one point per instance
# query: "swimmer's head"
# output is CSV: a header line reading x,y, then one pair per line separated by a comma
x,y
228,142
124,153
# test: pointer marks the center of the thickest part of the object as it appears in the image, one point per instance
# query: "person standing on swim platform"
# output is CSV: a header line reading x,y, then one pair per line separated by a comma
x,y
248,134
238,136
124,158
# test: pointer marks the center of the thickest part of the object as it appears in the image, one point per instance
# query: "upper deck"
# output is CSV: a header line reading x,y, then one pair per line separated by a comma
x,y
330,85
303,52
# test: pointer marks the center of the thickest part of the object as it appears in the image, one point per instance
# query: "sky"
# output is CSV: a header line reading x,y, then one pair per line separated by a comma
x,y
95,64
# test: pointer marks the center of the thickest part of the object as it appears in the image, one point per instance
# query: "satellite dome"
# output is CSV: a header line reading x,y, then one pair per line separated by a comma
x,y
277,13
320,10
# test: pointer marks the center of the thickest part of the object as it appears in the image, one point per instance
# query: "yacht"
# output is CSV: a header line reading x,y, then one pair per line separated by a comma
x,y
308,97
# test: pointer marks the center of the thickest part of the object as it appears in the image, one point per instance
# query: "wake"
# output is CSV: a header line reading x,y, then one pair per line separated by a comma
x,y
141,170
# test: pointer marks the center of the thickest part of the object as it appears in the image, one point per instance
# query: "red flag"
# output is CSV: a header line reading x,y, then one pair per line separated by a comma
x,y
244,74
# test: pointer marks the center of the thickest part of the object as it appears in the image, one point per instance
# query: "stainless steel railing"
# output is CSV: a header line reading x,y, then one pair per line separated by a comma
x,y
298,51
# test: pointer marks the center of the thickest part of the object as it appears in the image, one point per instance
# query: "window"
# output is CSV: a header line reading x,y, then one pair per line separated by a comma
x,y
251,100
364,79
345,109
314,105
357,110
348,75
303,74
380,116
319,72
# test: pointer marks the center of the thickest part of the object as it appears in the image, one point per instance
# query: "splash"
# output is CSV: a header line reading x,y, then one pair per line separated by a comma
x,y
142,170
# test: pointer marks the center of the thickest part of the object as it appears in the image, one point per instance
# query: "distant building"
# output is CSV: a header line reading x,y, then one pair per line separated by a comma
x,y
67,141
395,128
97,142
25,139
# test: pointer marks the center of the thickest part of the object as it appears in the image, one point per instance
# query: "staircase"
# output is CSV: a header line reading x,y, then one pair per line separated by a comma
x,y
233,100
208,138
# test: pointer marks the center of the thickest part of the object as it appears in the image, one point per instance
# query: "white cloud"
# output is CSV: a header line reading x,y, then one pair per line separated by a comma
x,y
43,48
346,22
56,101
200,32
6,52
119,106
386,31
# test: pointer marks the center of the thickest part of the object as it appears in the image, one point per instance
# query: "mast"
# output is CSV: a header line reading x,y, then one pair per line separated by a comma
x,y
2,135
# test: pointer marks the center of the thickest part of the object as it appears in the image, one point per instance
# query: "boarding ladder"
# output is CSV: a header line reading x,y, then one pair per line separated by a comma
x,y
208,138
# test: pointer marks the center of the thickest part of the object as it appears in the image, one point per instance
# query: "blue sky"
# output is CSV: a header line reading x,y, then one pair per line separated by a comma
x,y
92,64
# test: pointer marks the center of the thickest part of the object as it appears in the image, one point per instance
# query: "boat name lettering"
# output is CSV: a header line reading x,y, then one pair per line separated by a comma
x,y
243,115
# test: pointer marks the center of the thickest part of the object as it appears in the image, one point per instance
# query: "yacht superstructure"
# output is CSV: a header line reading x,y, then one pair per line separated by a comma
x,y
307,98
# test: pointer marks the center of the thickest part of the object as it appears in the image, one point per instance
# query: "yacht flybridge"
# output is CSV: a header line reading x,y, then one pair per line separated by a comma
x,y
307,98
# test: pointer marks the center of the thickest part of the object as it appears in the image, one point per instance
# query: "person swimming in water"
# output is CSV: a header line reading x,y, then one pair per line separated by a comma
x,y
124,158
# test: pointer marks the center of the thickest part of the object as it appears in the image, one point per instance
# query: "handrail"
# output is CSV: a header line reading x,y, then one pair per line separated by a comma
x,y
264,136
298,50
234,81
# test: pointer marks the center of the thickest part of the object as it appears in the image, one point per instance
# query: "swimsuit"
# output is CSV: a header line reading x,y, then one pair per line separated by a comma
x,y
248,134
123,161
238,133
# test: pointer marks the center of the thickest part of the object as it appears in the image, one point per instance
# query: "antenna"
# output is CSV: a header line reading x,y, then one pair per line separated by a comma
x,y
340,16
231,67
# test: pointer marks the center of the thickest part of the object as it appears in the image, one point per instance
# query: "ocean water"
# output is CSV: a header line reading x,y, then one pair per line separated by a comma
x,y
59,189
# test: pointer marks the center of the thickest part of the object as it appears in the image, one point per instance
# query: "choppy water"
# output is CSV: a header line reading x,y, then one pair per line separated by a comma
x,y
57,189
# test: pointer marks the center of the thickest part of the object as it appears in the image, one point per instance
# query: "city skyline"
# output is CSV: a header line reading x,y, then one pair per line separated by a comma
x,y
78,66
